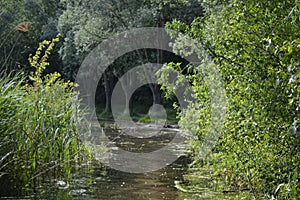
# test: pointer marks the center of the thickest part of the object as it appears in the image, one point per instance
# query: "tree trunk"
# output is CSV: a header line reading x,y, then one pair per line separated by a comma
x,y
155,89
108,93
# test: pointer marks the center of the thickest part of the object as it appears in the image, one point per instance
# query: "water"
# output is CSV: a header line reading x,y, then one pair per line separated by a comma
x,y
111,184
118,185
155,185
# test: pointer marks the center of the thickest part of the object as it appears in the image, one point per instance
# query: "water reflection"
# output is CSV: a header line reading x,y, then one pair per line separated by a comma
x,y
116,185
153,185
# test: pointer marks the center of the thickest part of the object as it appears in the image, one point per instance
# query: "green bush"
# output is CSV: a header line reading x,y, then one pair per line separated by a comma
x,y
256,46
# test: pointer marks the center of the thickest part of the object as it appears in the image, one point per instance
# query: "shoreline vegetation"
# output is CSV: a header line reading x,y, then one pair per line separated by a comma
x,y
39,136
140,115
255,45
258,59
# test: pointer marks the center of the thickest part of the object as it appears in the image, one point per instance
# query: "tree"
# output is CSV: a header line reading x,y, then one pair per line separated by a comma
x,y
100,19
16,44
256,45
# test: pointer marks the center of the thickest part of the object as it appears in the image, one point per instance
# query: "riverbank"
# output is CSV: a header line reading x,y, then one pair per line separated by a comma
x,y
93,181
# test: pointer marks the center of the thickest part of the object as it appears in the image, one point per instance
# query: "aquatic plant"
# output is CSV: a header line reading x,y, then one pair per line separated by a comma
x,y
38,125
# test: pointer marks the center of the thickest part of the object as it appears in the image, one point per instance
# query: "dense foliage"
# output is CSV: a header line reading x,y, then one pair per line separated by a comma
x,y
100,19
40,17
38,129
256,46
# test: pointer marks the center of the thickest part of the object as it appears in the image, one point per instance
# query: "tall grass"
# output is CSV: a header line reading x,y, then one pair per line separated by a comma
x,y
38,129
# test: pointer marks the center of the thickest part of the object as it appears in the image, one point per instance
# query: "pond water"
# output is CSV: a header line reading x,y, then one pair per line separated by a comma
x,y
110,184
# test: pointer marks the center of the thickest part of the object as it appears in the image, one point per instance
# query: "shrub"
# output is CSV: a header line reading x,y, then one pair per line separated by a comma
x,y
258,58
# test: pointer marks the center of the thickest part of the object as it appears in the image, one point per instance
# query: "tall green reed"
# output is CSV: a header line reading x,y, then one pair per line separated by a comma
x,y
38,125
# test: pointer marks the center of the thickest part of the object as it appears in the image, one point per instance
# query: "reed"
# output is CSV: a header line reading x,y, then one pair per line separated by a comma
x,y
38,126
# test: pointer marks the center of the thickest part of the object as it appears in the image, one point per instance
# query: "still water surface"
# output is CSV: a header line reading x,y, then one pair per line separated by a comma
x,y
111,184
